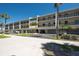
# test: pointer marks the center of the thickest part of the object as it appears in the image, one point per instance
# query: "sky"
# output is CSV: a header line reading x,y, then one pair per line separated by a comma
x,y
22,11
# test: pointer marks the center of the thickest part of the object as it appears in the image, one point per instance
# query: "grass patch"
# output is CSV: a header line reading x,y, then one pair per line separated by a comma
x,y
24,34
4,36
54,37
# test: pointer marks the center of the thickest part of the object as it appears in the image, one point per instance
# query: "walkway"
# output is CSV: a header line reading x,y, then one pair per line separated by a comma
x,y
25,46
22,46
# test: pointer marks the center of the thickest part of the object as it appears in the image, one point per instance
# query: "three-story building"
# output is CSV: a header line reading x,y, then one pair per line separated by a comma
x,y
68,21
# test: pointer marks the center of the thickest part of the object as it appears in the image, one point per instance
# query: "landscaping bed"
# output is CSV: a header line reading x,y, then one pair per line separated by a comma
x,y
70,37
24,34
4,36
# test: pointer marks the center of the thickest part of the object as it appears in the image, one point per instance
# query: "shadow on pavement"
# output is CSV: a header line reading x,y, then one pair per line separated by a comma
x,y
53,49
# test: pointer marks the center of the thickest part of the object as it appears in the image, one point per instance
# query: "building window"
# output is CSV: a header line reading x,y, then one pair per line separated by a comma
x,y
66,15
49,18
42,31
43,24
59,22
53,16
76,21
59,15
44,19
77,13
53,23
65,22
49,24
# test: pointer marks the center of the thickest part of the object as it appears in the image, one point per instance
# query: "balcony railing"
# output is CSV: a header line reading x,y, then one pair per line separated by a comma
x,y
24,27
73,26
68,17
41,20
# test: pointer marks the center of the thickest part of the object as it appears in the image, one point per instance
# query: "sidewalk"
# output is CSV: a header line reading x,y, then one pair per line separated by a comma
x,y
22,46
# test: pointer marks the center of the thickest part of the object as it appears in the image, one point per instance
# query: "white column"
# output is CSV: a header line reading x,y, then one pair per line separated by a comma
x,y
19,24
37,19
29,21
13,26
38,30
8,27
21,31
38,23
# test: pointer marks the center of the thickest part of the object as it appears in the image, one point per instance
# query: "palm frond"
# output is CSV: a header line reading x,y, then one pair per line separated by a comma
x,y
57,4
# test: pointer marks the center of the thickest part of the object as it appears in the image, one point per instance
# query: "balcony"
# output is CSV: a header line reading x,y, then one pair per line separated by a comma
x,y
47,27
73,26
68,17
46,20
33,24
24,26
33,21
24,22
6,28
51,20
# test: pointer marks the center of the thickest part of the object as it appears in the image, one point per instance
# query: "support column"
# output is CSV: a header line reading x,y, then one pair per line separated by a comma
x,y
19,24
37,20
8,29
26,31
8,26
13,28
21,31
29,21
38,31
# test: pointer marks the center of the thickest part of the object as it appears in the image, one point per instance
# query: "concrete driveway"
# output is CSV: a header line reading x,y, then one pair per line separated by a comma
x,y
22,46
26,46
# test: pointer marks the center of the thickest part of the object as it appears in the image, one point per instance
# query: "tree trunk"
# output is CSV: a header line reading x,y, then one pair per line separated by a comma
x,y
57,22
5,26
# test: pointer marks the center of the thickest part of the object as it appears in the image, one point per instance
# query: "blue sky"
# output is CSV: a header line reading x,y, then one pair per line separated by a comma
x,y
21,11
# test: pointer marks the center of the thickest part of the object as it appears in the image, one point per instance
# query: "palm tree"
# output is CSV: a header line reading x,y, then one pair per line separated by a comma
x,y
0,26
5,16
56,5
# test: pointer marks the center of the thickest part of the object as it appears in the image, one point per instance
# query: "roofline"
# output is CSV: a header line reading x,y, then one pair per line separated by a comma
x,y
72,9
60,12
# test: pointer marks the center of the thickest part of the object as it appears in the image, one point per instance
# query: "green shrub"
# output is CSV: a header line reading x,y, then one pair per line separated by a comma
x,y
65,37
3,36
73,38
24,34
33,24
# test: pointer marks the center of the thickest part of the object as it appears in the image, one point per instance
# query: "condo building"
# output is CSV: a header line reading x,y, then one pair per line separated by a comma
x,y
45,24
